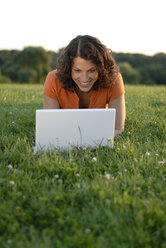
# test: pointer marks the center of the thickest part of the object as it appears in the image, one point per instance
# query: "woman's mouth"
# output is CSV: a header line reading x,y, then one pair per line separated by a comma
x,y
85,84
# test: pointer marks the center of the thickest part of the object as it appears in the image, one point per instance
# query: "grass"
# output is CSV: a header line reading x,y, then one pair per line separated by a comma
x,y
101,198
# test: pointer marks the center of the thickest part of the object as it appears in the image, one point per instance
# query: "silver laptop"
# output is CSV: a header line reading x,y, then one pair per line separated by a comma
x,y
64,128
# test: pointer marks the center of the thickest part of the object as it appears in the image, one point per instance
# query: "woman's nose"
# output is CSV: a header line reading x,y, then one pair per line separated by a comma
x,y
84,77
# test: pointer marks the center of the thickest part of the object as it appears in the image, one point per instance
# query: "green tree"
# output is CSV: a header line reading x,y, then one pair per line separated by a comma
x,y
33,63
28,66
158,73
3,79
130,75
4,57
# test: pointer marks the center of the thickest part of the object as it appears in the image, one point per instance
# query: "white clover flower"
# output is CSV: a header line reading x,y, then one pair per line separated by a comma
x,y
11,182
87,230
135,160
125,170
147,154
9,241
162,162
17,208
77,174
94,159
56,176
107,176
10,167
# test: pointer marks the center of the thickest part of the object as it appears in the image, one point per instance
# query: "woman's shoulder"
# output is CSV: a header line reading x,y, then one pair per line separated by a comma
x,y
52,81
53,77
118,79
53,74
52,85
114,91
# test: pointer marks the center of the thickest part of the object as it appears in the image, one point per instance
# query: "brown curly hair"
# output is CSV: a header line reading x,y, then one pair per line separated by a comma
x,y
88,48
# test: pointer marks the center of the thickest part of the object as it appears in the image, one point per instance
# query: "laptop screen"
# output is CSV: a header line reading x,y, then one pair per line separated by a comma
x,y
59,128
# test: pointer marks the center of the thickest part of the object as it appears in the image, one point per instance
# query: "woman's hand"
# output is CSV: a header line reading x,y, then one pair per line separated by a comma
x,y
119,105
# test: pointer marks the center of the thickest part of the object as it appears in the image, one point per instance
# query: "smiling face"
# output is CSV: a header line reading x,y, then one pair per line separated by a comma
x,y
84,73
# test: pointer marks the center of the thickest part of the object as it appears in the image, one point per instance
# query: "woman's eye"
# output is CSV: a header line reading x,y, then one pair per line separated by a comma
x,y
92,70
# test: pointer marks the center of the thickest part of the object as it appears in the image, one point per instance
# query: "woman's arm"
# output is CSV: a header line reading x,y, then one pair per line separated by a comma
x,y
50,103
119,105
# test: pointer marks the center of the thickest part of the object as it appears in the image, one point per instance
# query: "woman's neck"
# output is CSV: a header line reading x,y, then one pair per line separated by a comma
x,y
84,98
82,93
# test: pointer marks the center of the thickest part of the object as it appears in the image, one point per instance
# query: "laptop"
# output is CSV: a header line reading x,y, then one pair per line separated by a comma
x,y
64,128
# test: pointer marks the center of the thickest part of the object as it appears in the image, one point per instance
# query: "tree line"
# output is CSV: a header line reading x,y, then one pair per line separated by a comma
x,y
32,64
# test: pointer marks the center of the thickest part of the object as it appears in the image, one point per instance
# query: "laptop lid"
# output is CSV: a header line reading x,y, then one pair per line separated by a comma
x,y
61,128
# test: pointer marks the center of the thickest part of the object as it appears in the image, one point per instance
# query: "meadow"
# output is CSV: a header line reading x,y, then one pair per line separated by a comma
x,y
83,198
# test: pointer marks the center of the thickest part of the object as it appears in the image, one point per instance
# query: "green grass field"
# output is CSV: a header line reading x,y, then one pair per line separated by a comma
x,y
96,199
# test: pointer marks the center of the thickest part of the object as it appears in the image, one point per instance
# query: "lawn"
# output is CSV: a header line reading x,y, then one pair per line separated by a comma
x,y
100,198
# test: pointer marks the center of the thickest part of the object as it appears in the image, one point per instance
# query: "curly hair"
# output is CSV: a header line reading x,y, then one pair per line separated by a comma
x,y
88,48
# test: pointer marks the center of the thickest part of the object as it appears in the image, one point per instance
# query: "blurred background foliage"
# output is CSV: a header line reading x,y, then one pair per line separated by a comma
x,y
32,64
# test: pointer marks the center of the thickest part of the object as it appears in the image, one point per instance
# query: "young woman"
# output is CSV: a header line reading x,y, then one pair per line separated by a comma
x,y
86,77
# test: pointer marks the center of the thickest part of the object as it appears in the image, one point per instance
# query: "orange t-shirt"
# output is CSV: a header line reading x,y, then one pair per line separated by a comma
x,y
53,88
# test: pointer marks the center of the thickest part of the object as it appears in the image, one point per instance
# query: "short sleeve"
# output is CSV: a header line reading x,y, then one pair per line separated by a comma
x,y
50,87
117,90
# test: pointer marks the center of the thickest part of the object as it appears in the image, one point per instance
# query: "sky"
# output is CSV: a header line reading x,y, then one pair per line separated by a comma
x,y
134,26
